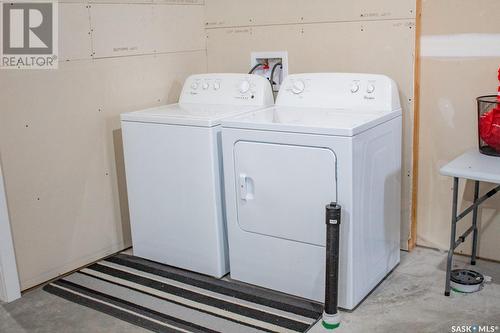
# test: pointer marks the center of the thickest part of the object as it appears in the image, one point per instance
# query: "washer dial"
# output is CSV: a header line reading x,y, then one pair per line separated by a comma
x,y
354,87
244,86
298,87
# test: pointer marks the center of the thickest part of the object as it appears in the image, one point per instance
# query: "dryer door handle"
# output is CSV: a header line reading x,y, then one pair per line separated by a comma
x,y
246,187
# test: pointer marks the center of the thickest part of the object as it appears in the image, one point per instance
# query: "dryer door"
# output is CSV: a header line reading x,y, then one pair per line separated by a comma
x,y
282,190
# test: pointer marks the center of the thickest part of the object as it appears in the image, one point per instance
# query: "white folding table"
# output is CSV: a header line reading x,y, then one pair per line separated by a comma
x,y
478,167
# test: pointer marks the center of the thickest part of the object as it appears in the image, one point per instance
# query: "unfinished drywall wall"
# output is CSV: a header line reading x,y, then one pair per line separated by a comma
x,y
323,36
453,73
60,135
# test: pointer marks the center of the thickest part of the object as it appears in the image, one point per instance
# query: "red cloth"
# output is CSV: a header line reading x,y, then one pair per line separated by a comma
x,y
489,128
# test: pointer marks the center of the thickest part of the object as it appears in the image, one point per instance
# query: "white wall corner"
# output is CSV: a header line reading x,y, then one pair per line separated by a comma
x,y
9,279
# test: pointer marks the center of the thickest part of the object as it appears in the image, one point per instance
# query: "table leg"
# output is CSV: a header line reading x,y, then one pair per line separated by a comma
x,y
452,237
474,224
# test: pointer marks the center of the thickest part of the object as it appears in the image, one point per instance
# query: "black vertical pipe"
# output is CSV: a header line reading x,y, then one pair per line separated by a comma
x,y
474,224
332,257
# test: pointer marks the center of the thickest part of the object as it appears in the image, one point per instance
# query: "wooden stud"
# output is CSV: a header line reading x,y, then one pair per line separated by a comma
x,y
412,242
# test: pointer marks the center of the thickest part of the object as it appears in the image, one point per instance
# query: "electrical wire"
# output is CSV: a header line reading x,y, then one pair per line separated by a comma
x,y
271,77
255,67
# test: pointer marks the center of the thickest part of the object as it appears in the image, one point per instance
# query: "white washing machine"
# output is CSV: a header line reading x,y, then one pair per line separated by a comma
x,y
173,162
330,137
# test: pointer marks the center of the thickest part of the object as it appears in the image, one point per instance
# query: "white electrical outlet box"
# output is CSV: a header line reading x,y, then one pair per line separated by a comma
x,y
269,60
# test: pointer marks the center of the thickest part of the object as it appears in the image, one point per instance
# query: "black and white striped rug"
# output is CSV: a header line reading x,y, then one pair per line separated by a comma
x,y
165,299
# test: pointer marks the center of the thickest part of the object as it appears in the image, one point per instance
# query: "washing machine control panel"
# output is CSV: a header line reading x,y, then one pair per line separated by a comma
x,y
340,90
230,89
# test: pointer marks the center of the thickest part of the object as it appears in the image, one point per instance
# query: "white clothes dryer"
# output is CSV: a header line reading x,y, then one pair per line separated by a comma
x,y
330,138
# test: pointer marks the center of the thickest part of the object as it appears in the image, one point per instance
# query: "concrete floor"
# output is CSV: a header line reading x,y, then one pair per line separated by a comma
x,y
409,300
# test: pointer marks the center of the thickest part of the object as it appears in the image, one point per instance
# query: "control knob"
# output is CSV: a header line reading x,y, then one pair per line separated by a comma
x,y
298,87
244,87
370,89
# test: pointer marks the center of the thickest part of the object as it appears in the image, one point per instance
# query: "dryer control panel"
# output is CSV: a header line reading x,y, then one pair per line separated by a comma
x,y
227,89
340,90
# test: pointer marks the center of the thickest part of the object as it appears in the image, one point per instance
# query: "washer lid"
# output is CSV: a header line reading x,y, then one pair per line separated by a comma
x,y
205,115
329,121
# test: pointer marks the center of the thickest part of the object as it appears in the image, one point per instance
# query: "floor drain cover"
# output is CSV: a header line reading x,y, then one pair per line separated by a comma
x,y
466,281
